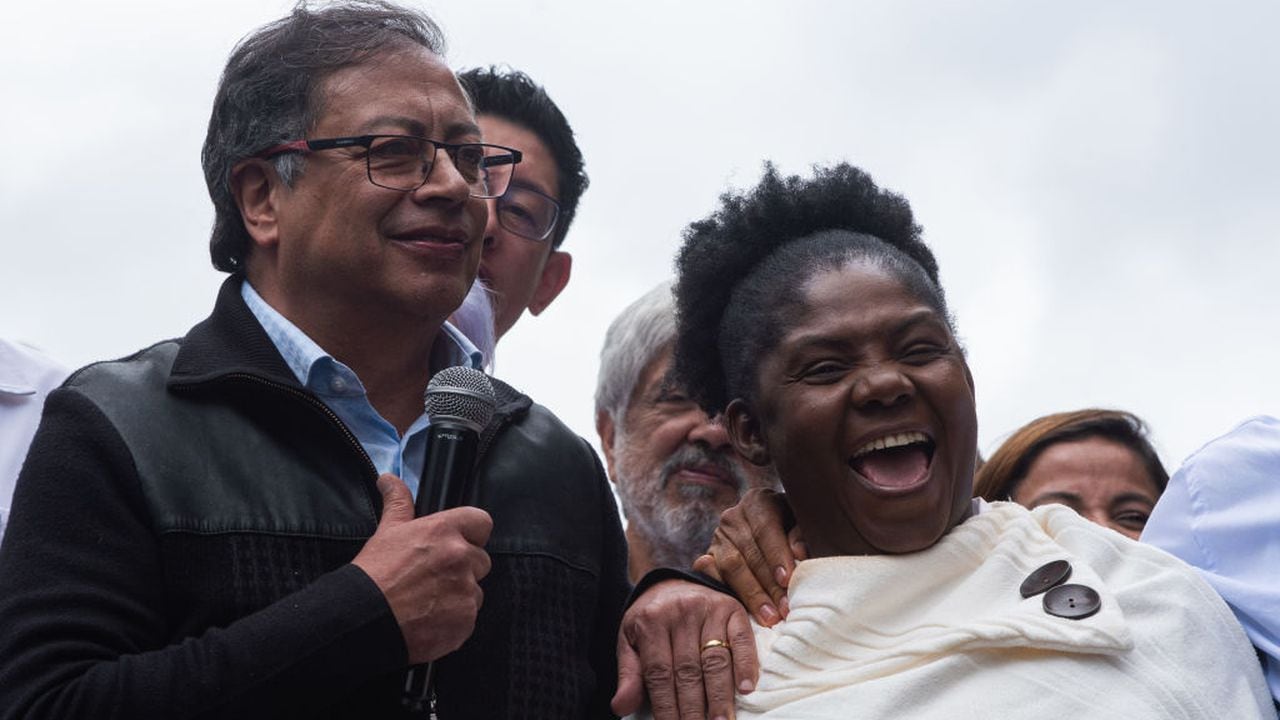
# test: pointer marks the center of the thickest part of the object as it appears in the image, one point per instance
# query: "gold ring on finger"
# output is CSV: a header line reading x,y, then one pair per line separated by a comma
x,y
713,644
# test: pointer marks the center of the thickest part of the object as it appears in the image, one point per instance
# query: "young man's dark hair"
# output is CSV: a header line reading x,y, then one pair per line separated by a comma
x,y
513,95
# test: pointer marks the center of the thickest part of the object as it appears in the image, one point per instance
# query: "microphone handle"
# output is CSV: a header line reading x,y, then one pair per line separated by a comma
x,y
451,455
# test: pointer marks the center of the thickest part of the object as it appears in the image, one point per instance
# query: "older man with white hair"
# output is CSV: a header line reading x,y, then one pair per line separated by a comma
x,y
673,466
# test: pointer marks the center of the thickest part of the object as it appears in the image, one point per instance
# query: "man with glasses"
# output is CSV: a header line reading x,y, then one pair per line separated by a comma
x,y
222,525
523,264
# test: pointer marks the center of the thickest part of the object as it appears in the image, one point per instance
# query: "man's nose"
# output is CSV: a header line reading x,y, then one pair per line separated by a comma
x,y
444,180
710,432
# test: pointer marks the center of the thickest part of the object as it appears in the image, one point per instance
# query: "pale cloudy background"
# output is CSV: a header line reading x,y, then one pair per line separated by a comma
x,y
1099,179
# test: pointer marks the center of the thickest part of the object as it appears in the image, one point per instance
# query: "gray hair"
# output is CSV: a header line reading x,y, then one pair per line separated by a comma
x,y
643,330
269,94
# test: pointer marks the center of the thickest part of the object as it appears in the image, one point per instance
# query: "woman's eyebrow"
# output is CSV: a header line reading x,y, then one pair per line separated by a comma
x,y
826,340
1133,497
819,341
919,316
1057,496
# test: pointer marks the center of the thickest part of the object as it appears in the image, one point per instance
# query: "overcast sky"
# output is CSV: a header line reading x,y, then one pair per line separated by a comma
x,y
1099,180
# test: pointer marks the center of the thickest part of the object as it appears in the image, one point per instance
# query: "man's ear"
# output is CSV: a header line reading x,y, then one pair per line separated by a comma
x,y
555,275
745,434
254,185
608,433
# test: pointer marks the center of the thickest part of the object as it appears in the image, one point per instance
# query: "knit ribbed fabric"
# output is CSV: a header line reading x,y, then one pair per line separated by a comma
x,y
945,633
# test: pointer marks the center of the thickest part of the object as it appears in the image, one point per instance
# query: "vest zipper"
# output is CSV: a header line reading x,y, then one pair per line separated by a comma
x,y
315,402
309,399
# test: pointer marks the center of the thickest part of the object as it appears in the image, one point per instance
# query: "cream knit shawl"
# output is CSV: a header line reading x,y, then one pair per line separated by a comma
x,y
945,633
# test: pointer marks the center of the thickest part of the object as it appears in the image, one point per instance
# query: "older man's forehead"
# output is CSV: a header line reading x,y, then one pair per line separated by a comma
x,y
419,78
414,126
657,376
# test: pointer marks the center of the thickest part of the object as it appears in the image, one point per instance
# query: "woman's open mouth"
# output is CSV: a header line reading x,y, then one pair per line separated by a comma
x,y
895,463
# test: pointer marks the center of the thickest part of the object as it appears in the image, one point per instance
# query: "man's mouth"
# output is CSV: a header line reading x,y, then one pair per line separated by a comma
x,y
437,235
707,473
894,462
698,466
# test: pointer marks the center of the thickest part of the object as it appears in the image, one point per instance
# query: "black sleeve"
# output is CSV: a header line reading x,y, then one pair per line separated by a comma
x,y
614,588
657,575
85,631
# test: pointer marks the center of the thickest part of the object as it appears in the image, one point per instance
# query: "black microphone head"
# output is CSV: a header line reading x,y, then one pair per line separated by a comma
x,y
460,394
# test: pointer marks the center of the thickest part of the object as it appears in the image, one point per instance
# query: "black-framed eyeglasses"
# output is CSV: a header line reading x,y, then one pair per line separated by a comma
x,y
527,212
404,162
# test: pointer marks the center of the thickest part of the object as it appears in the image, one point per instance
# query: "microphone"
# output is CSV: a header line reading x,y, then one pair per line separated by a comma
x,y
459,402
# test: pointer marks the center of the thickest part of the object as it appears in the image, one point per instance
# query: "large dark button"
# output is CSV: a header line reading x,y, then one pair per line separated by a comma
x,y
1073,602
1047,576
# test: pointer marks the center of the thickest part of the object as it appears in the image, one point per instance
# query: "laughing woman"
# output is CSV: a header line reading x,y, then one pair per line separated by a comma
x,y
811,315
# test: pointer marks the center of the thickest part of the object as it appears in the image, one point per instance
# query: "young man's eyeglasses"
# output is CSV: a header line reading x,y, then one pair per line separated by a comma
x,y
527,212
404,162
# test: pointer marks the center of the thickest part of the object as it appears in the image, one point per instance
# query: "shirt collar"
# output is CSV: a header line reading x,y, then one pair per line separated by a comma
x,y
461,350
302,354
21,369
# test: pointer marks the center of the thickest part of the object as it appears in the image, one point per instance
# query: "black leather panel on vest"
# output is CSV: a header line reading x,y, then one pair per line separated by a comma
x,y
538,505
231,464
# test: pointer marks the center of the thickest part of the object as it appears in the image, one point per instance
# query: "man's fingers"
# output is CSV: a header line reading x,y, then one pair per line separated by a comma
x,y
630,684
742,645
397,501
717,670
644,649
668,630
481,564
475,525
686,656
658,675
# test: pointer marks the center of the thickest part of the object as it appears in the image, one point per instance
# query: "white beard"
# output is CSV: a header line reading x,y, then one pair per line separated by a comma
x,y
676,533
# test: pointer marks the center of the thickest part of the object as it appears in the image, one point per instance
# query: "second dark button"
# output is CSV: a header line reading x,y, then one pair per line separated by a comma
x,y
1073,602
1045,577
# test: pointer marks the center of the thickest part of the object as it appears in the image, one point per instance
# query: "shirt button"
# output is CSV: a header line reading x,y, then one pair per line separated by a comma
x,y
1073,602
338,385
1045,577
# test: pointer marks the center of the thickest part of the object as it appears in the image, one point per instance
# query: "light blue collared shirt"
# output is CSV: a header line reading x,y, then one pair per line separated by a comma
x,y
1219,515
338,387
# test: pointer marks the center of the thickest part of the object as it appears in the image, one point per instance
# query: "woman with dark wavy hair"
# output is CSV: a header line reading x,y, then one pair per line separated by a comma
x,y
1096,462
